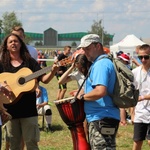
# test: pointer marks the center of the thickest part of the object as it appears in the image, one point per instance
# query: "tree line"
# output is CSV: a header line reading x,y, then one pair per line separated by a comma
x,y
9,20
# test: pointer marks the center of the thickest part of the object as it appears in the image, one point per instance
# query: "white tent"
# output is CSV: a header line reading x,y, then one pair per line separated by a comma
x,y
127,45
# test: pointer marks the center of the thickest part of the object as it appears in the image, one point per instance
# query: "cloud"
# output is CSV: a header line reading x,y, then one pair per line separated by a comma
x,y
119,17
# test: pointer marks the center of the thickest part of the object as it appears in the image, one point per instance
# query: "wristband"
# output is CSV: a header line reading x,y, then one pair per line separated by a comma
x,y
82,97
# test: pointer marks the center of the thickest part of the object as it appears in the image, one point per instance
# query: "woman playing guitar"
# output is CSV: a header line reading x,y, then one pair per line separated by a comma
x,y
24,122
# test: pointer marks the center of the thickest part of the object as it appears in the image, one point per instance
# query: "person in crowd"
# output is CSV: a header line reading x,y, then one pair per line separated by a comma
x,y
125,58
55,55
24,122
102,115
141,112
106,50
62,87
43,62
44,108
135,59
20,32
119,53
39,57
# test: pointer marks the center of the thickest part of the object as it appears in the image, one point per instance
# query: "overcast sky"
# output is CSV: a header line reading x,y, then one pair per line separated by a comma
x,y
119,17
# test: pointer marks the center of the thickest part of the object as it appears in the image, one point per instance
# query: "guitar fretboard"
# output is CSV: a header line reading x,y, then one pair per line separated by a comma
x,y
37,73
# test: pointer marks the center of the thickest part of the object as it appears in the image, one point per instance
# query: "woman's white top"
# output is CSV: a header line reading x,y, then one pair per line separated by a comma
x,y
79,77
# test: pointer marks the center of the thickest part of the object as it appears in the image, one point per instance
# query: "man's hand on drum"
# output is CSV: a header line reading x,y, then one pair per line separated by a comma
x,y
73,93
80,95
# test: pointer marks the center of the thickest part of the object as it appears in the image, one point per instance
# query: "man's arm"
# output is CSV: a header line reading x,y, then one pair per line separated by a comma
x,y
98,92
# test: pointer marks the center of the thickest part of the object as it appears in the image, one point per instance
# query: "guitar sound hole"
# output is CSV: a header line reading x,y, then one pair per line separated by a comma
x,y
21,80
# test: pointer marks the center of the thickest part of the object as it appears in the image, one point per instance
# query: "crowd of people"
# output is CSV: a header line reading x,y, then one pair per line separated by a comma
x,y
102,117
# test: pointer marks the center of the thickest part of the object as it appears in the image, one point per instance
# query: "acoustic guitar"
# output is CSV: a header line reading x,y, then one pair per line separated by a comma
x,y
24,81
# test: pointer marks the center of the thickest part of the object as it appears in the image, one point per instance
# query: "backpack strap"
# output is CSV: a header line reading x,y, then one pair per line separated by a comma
x,y
109,56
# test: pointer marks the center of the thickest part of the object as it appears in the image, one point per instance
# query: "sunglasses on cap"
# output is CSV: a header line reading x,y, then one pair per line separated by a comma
x,y
145,57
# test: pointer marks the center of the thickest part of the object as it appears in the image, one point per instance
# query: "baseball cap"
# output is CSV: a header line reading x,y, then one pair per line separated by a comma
x,y
89,39
125,57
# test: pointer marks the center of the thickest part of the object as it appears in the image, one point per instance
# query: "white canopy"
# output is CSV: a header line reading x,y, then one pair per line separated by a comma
x,y
127,45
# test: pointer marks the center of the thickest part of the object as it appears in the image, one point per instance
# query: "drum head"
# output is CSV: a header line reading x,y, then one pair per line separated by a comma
x,y
64,100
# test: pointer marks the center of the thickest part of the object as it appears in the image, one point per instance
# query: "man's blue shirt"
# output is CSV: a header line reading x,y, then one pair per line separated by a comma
x,y
102,73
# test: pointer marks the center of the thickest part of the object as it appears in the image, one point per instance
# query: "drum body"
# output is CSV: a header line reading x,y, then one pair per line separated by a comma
x,y
72,113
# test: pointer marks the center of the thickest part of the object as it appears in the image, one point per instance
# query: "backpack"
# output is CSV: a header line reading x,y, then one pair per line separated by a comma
x,y
124,95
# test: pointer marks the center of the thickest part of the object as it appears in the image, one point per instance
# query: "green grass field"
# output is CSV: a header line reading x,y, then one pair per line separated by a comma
x,y
61,139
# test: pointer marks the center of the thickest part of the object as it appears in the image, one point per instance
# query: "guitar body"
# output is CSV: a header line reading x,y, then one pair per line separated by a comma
x,y
14,81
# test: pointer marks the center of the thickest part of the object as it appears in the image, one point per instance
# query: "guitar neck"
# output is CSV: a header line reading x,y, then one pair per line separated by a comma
x,y
37,73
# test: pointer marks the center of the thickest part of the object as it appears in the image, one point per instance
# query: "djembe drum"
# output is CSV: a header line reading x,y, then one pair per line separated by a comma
x,y
72,113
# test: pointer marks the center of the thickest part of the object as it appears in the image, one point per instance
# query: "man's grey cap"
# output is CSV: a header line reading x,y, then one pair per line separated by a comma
x,y
89,39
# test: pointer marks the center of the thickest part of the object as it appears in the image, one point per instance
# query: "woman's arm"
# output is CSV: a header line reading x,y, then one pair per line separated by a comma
x,y
135,62
65,77
48,77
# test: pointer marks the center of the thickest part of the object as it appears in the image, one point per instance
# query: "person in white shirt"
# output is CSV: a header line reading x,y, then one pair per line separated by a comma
x,y
141,113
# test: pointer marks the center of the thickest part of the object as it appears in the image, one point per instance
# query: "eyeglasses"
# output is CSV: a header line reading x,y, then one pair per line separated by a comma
x,y
145,57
